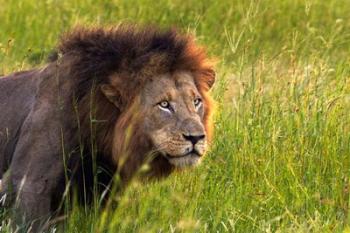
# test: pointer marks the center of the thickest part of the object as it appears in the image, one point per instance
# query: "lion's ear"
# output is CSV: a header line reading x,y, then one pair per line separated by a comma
x,y
112,95
209,76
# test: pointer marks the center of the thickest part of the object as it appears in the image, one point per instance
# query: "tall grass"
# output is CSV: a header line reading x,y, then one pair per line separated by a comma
x,y
281,156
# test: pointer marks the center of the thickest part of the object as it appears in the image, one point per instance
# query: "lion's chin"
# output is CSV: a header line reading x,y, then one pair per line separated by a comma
x,y
189,160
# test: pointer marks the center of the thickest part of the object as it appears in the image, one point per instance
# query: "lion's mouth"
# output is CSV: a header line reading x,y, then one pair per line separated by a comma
x,y
194,152
189,159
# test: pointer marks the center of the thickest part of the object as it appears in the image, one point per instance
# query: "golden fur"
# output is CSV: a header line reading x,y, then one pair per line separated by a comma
x,y
95,102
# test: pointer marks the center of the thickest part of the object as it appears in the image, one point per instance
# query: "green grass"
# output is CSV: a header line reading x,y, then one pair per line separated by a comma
x,y
281,156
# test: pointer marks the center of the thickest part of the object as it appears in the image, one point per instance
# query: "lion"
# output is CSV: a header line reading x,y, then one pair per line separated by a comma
x,y
114,98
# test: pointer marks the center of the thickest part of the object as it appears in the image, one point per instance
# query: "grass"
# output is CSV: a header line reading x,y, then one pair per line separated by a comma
x,y
280,161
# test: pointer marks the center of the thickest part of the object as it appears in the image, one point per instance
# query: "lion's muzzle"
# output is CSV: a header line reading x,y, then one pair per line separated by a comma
x,y
183,146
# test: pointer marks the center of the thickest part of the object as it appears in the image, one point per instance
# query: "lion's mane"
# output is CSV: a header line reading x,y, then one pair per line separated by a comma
x,y
137,55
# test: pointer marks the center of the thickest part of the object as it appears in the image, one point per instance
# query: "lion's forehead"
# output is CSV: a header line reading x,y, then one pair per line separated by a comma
x,y
184,79
170,87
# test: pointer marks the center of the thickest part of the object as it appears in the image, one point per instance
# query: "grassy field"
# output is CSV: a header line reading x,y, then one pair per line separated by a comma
x,y
280,161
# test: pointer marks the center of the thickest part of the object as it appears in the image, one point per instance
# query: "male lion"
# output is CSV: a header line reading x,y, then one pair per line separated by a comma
x,y
114,98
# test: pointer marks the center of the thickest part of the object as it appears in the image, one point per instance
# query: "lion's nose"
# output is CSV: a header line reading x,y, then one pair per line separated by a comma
x,y
194,138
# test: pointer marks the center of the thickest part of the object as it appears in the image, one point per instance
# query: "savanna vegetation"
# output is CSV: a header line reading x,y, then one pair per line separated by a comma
x,y
280,161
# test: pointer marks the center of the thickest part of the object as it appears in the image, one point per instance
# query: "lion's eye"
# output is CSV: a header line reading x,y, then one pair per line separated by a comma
x,y
164,104
197,102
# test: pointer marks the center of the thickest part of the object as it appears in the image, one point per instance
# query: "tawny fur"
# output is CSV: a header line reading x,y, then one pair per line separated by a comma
x,y
57,115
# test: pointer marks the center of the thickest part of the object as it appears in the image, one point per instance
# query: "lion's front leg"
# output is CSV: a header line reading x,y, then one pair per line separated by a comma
x,y
36,170
32,211
30,191
30,200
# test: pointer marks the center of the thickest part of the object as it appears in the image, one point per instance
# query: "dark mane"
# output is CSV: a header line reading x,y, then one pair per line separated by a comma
x,y
136,52
102,51
134,55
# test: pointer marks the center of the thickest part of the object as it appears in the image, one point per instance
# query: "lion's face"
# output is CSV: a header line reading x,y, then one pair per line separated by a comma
x,y
174,118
